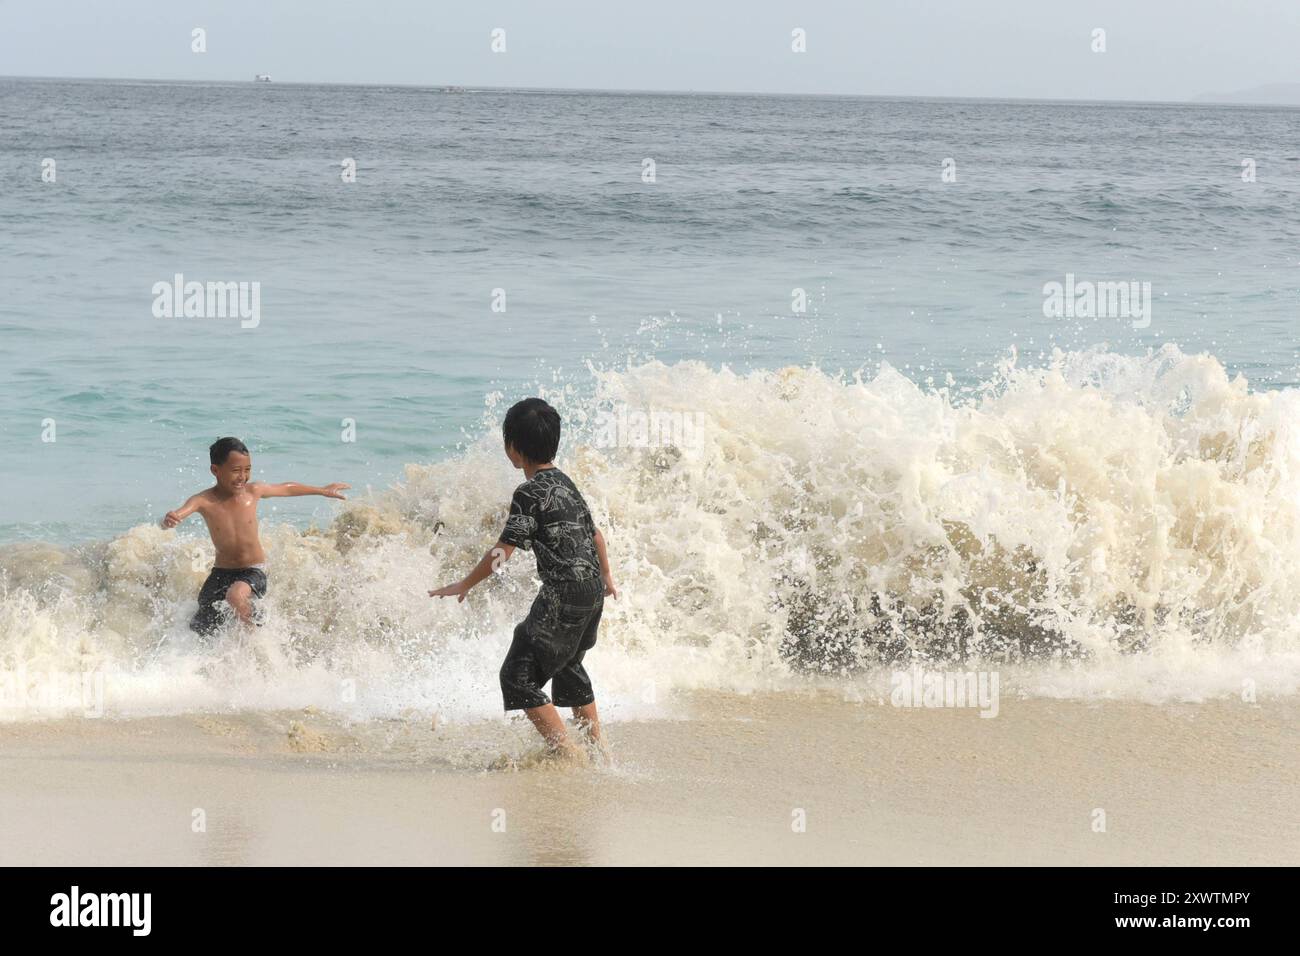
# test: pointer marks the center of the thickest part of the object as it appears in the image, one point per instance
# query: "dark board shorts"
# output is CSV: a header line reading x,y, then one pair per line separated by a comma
x,y
211,615
549,646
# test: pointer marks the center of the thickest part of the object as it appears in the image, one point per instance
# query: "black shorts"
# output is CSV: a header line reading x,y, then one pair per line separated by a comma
x,y
549,646
210,615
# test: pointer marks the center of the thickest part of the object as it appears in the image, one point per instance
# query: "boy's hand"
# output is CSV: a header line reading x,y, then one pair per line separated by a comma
x,y
332,490
610,590
457,590
171,519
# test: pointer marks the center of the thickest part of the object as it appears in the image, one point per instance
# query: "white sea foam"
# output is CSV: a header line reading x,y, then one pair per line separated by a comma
x,y
1101,526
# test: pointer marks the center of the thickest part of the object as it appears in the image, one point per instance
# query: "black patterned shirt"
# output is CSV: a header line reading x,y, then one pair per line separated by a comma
x,y
548,515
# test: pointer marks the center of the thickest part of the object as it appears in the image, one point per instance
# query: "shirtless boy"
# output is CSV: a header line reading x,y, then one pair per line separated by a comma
x,y
230,510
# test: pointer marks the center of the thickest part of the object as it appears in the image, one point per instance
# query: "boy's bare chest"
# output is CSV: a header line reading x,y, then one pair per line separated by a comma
x,y
237,516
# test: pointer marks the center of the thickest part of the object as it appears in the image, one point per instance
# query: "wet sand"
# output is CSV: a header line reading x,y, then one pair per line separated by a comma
x,y
1212,783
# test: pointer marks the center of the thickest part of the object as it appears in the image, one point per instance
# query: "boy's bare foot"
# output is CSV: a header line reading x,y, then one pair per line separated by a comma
x,y
504,762
562,757
569,754
598,750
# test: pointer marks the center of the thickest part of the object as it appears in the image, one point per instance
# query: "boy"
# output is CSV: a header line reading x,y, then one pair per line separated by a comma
x,y
230,510
548,515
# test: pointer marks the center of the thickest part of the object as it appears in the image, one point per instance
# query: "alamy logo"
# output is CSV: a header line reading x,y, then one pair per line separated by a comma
x,y
102,909
208,300
627,427
1098,300
921,688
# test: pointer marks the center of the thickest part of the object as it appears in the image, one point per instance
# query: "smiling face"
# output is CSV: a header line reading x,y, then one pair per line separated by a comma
x,y
234,473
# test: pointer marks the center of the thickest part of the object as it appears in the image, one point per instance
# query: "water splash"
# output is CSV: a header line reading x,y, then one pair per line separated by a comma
x,y
1100,525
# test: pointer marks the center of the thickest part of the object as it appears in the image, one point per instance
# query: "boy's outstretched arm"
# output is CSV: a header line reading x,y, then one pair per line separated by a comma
x,y
172,518
496,557
293,489
605,574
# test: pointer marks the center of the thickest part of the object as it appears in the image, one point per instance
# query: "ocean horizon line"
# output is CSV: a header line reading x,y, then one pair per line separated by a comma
x,y
631,91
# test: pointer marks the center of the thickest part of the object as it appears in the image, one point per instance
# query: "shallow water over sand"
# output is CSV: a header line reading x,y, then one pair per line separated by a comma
x,y
767,778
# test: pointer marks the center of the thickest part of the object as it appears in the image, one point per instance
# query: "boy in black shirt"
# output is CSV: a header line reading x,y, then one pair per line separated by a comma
x,y
548,515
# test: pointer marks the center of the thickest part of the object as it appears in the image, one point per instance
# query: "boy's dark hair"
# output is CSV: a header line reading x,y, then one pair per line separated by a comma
x,y
533,428
220,449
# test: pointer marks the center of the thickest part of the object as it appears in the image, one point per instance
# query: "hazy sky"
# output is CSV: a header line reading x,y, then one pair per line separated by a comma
x,y
1156,49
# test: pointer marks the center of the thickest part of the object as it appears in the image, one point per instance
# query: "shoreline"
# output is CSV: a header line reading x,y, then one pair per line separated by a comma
x,y
1180,784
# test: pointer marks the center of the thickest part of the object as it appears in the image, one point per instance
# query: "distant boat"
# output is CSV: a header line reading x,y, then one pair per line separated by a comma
x,y
262,78
453,89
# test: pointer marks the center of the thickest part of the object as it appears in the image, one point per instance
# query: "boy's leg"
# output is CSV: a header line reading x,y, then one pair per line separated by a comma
x,y
572,684
548,723
240,597
521,680
588,721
